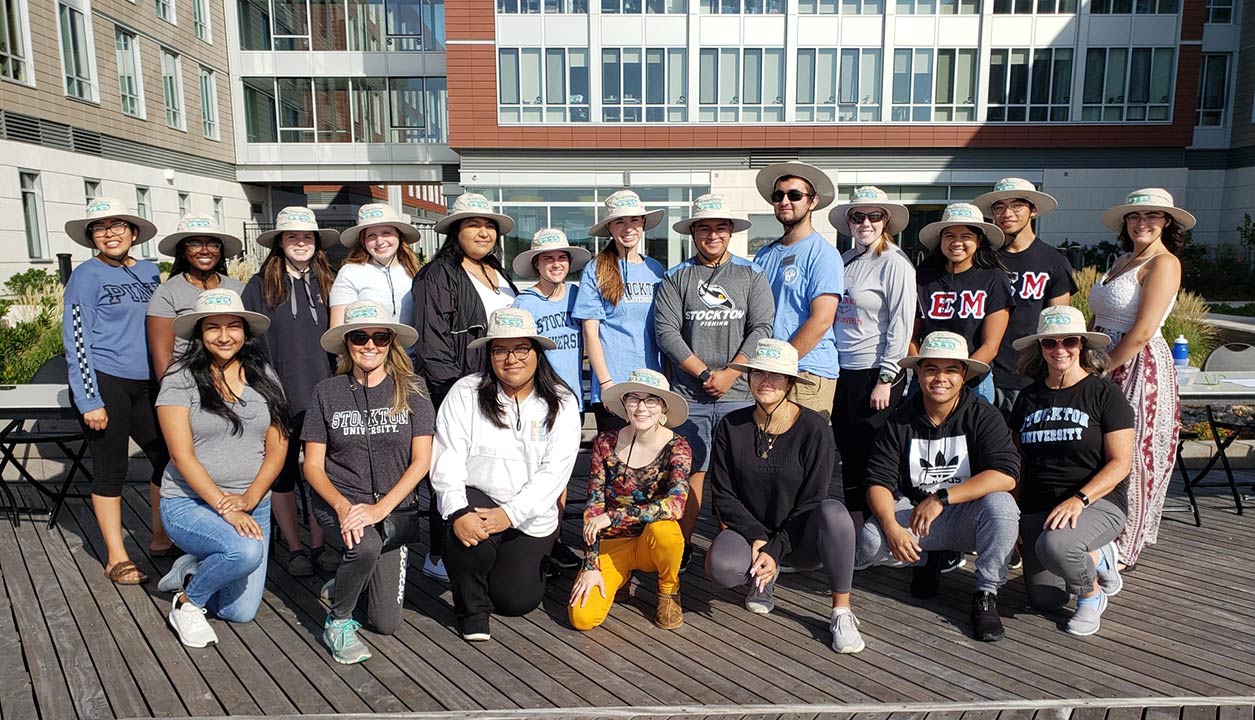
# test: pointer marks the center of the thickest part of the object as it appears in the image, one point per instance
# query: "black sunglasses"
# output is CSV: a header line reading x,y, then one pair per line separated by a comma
x,y
793,195
1071,342
381,338
857,218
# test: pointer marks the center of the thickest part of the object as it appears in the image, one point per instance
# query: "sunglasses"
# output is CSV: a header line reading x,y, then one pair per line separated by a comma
x,y
1071,343
857,218
793,195
382,338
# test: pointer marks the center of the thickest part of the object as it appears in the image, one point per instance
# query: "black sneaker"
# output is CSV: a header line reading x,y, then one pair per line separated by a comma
x,y
986,625
685,558
1017,560
564,557
953,561
926,579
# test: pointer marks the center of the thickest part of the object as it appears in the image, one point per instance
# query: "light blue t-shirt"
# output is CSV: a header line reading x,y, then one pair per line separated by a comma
x,y
798,274
555,321
627,329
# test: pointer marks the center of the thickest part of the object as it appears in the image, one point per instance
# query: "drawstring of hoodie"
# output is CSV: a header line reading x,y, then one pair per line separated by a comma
x,y
303,276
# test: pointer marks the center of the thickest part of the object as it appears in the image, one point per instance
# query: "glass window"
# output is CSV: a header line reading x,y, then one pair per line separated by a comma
x,y
1220,11
76,52
648,91
746,84
1127,84
296,110
331,98
144,210
165,10
436,91
33,215
817,7
616,7
1213,90
253,21
14,59
1028,7
404,24
1036,91
209,103
172,85
370,110
862,7
549,87
407,107
739,7
200,20
838,85
364,25
130,77
327,28
1138,7
937,7
259,110
291,24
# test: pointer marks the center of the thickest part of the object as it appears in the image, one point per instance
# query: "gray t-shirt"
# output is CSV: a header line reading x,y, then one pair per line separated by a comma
x,y
231,460
176,296
337,418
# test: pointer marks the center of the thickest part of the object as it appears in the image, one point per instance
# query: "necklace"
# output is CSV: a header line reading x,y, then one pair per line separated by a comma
x,y
1133,261
764,439
487,279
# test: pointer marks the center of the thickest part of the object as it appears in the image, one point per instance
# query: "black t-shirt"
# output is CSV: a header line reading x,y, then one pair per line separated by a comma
x,y
959,303
1038,273
1061,439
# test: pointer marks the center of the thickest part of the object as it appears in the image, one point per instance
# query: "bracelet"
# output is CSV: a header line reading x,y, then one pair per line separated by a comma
x,y
459,513
606,382
1082,497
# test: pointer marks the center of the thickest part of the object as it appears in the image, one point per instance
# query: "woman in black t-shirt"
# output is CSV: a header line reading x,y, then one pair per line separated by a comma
x,y
1075,433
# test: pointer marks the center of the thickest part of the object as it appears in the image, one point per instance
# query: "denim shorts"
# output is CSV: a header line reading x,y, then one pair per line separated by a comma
x,y
699,428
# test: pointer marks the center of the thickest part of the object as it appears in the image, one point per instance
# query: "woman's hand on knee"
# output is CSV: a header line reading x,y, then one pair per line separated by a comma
x,y
583,587
244,524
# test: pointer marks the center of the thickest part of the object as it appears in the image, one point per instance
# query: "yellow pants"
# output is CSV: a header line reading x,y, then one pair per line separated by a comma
x,y
658,549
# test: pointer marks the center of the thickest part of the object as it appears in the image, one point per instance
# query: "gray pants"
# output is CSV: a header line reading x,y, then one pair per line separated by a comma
x,y
368,578
987,526
827,540
1057,563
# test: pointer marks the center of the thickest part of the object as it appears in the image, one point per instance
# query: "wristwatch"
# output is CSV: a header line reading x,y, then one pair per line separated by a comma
x,y
943,497
887,377
1082,497
704,375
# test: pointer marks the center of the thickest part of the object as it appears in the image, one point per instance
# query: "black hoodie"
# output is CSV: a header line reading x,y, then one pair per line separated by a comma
x,y
914,459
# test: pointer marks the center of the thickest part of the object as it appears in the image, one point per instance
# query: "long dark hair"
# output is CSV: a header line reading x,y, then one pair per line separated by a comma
x,y
182,264
275,282
199,363
984,257
451,251
546,383
1173,236
1033,366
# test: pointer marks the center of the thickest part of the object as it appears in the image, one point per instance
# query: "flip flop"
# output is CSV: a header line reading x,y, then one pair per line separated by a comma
x,y
126,573
172,551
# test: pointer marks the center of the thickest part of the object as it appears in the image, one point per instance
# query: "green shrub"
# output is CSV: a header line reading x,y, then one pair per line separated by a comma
x,y
32,280
44,344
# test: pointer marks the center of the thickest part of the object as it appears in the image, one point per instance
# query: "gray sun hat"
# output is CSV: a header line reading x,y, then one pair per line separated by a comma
x,y
819,180
775,356
1147,199
548,240
1012,188
511,323
219,301
373,214
1062,321
473,205
106,208
870,195
298,219
198,225
624,203
364,314
711,206
961,214
649,382
942,345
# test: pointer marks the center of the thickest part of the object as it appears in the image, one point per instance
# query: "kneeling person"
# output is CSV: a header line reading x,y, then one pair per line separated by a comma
x,y
950,453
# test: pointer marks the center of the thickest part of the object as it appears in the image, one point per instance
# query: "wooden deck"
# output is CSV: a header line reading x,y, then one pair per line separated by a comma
x,y
1184,627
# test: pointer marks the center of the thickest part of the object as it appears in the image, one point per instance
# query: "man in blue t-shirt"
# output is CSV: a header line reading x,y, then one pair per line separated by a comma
x,y
806,275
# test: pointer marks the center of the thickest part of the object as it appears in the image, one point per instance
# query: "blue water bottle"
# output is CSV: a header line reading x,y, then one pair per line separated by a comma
x,y
1181,352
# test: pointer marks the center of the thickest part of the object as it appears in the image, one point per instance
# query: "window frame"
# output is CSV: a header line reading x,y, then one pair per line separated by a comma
x,y
570,110
1220,113
39,235
140,109
916,106
815,111
1105,111
668,111
734,108
202,21
741,7
92,80
1213,10
1035,7
1115,7
143,208
170,13
209,116
375,114
179,113
18,52
1050,108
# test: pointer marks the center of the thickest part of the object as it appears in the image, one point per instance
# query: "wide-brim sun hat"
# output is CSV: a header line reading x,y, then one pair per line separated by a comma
x,y
1062,321
548,240
298,219
197,225
511,324
775,356
364,314
473,205
373,214
219,301
624,203
943,345
825,190
1011,189
107,208
711,206
649,382
961,214
1143,200
870,195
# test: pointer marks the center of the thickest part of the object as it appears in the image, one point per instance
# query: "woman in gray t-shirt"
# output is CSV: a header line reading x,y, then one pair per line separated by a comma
x,y
225,420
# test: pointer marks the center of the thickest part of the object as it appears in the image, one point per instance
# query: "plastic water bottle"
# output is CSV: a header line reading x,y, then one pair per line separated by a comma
x,y
1181,352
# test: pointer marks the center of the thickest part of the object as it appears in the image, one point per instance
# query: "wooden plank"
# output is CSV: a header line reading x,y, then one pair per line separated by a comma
x,y
1124,713
1200,712
1054,713
1236,712
17,696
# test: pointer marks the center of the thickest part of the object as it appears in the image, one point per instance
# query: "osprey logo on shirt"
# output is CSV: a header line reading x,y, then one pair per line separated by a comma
x,y
722,308
971,304
939,463
1032,284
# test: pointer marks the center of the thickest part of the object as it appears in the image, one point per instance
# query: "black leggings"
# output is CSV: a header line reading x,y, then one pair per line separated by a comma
x,y
855,427
290,475
129,404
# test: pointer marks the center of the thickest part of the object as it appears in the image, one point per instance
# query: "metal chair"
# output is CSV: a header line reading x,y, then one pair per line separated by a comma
x,y
60,433
1182,437
1228,357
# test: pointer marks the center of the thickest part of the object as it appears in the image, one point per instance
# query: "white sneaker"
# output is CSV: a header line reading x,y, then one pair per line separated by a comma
x,y
173,580
435,570
845,635
1110,580
190,624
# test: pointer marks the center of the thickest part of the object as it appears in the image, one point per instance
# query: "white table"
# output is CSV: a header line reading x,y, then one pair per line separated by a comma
x,y
1217,389
18,404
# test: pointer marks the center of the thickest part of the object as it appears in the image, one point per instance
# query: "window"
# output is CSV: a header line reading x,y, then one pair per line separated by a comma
x,y
130,76
1127,84
91,190
76,49
337,25
613,7
1138,7
33,215
848,7
741,85
1040,91
933,85
1220,12
747,7
837,85
259,110
172,84
559,94
341,110
200,20
550,7
185,205
652,91
938,7
219,217
144,210
14,60
165,10
209,103
1213,86
1028,7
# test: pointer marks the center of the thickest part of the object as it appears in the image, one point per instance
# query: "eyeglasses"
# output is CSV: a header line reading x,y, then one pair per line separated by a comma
x,y
652,402
1150,216
766,375
1012,206
704,231
203,244
521,353
114,228
381,338
793,195
857,218
1071,343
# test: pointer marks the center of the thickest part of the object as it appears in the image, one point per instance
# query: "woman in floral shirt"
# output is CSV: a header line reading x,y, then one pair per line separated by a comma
x,y
637,488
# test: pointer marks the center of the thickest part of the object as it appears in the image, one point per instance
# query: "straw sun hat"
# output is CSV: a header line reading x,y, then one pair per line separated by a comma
x,y
219,301
710,207
624,203
364,314
373,214
776,356
473,205
549,240
1062,321
942,345
106,208
298,219
511,323
961,214
819,180
197,225
871,195
1143,200
649,382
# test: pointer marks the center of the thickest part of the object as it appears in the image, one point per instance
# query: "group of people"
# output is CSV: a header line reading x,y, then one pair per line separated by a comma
x,y
1016,436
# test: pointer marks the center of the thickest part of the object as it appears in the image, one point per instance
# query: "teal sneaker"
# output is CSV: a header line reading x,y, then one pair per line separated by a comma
x,y
341,637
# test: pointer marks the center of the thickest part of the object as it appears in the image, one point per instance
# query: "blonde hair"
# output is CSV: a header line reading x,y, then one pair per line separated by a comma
x,y
884,243
397,365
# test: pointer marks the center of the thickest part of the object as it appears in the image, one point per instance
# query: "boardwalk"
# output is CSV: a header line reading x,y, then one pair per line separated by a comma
x,y
1182,628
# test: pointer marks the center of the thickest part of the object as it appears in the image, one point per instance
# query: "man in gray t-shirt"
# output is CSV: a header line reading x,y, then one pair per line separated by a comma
x,y
709,311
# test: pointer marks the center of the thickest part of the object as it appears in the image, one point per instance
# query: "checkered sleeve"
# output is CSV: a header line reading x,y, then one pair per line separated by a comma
x,y
76,326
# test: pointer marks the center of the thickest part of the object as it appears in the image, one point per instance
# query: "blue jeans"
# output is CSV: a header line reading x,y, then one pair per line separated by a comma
x,y
986,387
699,428
232,572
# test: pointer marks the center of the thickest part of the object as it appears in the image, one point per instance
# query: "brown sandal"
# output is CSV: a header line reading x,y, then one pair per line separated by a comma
x,y
126,573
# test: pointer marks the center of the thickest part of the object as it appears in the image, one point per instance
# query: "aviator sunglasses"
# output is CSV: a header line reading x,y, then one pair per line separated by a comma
x,y
793,195
1071,343
381,338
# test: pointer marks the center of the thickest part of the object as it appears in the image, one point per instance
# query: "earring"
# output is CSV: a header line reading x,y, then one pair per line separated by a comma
x,y
662,419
